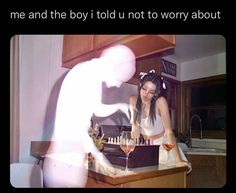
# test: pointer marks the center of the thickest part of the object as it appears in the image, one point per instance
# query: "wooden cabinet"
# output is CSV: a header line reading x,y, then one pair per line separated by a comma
x,y
74,46
104,40
78,48
208,171
173,96
145,64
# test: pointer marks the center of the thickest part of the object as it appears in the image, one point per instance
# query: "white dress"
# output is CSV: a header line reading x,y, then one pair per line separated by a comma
x,y
148,129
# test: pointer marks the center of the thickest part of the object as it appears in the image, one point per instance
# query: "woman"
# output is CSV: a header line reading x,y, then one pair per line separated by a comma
x,y
150,117
80,97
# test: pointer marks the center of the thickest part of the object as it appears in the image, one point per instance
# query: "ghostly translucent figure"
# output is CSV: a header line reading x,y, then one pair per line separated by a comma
x,y
80,98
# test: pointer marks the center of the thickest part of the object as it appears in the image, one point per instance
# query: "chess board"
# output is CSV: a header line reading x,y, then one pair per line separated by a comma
x,y
143,155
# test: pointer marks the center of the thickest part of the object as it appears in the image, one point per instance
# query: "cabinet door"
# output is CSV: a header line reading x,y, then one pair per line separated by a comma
x,y
78,48
147,45
105,40
208,171
74,46
146,65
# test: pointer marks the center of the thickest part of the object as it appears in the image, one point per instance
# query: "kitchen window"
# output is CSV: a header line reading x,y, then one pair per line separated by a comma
x,y
206,98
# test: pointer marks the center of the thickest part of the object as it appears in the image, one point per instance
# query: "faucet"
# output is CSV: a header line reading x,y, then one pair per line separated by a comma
x,y
190,127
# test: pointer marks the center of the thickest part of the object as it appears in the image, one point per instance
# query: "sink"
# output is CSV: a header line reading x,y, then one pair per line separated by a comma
x,y
209,143
201,149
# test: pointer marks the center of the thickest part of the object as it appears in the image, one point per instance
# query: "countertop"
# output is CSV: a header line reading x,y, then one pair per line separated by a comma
x,y
150,176
136,174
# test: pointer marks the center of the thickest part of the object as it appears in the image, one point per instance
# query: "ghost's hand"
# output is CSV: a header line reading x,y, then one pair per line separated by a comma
x,y
104,164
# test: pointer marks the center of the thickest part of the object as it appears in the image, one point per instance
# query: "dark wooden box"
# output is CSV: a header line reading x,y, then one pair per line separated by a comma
x,y
143,155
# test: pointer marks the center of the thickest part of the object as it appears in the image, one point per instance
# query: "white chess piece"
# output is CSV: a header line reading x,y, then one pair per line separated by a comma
x,y
117,140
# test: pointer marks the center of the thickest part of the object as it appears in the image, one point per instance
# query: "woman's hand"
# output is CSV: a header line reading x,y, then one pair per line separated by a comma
x,y
135,131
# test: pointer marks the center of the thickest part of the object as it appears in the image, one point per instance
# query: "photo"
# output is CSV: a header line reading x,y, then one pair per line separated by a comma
x,y
118,111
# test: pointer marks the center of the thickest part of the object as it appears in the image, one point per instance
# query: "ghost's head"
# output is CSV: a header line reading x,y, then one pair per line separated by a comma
x,y
119,65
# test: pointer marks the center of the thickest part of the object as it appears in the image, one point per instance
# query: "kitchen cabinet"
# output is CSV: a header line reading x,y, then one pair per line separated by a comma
x,y
173,97
74,46
78,48
104,40
145,64
208,171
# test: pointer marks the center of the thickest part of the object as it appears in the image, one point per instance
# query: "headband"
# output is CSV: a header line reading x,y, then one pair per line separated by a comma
x,y
142,74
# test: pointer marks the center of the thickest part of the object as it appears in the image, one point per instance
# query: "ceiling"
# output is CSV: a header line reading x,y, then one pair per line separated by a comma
x,y
191,47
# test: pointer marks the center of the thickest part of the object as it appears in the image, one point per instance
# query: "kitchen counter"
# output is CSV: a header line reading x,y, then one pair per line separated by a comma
x,y
159,176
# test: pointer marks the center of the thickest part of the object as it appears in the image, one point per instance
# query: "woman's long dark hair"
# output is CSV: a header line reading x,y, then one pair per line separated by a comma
x,y
160,91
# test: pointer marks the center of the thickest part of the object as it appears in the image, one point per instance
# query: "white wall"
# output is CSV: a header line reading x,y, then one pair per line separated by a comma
x,y
204,67
39,70
199,68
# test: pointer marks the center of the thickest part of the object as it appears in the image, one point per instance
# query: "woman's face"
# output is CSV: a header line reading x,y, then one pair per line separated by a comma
x,y
147,91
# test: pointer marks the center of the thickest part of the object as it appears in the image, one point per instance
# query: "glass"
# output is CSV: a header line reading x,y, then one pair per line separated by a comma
x,y
127,144
167,144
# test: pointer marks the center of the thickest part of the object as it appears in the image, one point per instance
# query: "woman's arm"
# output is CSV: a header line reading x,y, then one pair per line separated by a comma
x,y
163,109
